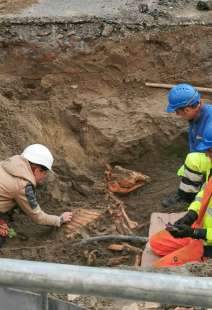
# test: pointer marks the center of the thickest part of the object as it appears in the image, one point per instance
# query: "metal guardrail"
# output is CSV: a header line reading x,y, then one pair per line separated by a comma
x,y
107,282
16,299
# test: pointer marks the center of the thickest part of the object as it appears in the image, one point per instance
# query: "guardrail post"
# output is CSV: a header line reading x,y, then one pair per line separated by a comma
x,y
45,302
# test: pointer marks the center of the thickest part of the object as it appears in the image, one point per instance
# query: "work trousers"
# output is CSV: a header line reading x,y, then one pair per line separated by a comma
x,y
177,251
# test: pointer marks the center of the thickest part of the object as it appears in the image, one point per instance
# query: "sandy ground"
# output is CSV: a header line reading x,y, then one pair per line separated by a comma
x,y
11,6
42,246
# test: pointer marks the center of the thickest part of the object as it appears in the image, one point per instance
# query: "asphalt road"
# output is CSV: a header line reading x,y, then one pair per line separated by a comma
x,y
118,10
69,8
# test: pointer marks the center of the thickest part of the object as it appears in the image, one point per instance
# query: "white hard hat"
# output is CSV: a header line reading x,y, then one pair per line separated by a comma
x,y
38,154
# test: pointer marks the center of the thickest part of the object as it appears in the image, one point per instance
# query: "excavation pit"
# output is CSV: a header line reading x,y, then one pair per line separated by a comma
x,y
78,85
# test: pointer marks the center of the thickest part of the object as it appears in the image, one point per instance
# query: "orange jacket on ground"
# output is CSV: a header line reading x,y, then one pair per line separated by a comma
x,y
17,186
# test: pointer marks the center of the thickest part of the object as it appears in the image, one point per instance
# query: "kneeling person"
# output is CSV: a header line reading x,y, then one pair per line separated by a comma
x,y
175,238
186,102
19,176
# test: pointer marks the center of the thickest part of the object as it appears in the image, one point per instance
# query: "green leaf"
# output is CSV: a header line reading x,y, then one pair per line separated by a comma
x,y
11,233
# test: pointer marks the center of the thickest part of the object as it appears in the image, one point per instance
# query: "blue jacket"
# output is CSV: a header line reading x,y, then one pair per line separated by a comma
x,y
197,126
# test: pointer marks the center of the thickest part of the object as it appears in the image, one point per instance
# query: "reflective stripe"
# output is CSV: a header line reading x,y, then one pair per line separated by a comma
x,y
193,176
190,182
209,211
30,195
198,163
189,188
198,199
203,186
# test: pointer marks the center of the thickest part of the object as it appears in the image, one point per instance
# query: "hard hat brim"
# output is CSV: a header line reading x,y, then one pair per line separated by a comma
x,y
169,109
203,147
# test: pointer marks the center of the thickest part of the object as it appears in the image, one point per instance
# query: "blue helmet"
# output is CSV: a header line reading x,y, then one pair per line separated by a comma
x,y
182,95
206,141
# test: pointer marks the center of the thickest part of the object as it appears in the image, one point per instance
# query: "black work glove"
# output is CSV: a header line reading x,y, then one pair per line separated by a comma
x,y
188,219
184,231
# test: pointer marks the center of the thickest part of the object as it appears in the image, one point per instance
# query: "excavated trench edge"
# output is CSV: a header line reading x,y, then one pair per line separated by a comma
x,y
166,24
44,30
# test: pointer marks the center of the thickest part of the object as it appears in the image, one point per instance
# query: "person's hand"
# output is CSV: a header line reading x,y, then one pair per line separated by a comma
x,y
65,217
180,231
188,219
184,231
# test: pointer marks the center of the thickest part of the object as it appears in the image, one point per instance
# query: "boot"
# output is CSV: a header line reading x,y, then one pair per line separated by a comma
x,y
180,197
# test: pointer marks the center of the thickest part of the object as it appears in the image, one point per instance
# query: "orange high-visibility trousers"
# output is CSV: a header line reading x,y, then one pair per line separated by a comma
x,y
178,251
175,251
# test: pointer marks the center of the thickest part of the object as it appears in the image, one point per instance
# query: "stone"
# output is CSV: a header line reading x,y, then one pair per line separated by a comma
x,y
151,305
71,297
143,8
133,306
74,86
205,5
43,34
108,29
71,33
183,308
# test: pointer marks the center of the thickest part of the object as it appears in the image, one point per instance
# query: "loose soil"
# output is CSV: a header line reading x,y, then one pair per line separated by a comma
x,y
11,6
47,244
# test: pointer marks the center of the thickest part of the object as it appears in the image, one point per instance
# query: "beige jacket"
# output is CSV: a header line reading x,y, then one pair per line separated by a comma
x,y
17,185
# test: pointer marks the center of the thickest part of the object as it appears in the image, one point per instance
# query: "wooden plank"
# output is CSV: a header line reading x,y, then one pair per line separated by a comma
x,y
169,86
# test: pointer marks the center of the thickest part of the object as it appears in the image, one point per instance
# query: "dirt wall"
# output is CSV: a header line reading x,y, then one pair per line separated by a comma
x,y
80,89
84,95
